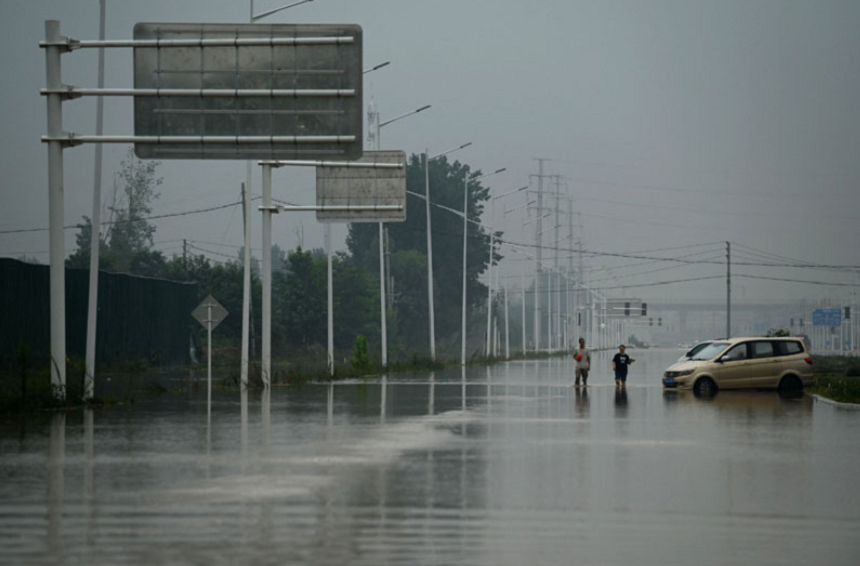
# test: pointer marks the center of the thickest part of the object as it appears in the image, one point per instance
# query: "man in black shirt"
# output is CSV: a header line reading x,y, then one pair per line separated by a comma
x,y
619,366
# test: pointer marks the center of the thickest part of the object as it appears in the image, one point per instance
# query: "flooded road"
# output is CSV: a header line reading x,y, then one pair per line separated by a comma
x,y
509,466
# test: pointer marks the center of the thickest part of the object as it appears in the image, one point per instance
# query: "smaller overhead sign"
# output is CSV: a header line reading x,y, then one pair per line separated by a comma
x,y
364,188
827,317
209,312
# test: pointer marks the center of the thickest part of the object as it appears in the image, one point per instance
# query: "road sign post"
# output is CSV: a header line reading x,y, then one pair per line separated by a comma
x,y
209,313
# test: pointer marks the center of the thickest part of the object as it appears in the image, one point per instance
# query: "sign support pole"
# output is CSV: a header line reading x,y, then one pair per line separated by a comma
x,y
246,283
330,293
429,255
56,206
267,275
209,362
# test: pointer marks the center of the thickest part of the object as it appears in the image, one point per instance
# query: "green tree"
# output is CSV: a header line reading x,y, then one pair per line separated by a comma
x,y
356,303
302,309
447,187
127,242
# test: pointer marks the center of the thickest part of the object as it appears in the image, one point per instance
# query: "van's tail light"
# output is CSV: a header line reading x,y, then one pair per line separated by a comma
x,y
808,360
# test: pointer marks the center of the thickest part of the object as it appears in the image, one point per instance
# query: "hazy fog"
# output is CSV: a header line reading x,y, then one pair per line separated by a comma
x,y
673,123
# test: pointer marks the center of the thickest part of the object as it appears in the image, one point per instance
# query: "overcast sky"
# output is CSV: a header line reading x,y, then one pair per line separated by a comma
x,y
674,123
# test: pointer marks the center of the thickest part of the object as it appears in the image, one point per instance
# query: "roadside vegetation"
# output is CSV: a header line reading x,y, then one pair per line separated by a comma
x,y
837,378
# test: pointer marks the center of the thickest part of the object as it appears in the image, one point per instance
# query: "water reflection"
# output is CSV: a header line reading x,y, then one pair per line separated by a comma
x,y
266,418
581,397
431,394
56,482
621,400
89,478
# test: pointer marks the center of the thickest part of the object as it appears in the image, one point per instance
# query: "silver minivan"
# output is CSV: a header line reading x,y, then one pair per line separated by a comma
x,y
739,363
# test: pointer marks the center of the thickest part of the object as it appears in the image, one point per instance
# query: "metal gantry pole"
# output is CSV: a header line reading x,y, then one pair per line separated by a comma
x,y
382,296
267,275
56,208
429,256
246,284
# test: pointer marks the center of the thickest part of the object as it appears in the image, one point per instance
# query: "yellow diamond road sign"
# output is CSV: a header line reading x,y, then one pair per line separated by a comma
x,y
209,312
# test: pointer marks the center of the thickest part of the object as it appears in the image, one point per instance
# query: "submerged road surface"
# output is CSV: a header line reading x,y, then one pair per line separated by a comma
x,y
509,465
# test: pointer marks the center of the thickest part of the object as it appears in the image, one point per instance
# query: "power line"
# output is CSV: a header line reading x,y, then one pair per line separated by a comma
x,y
142,219
806,281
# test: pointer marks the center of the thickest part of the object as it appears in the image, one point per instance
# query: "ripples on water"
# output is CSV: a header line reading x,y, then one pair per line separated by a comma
x,y
521,469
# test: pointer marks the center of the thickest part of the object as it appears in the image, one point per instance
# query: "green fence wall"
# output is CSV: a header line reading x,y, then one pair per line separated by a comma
x,y
139,319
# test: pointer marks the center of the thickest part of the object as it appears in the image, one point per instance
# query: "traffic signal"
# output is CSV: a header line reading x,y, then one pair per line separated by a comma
x,y
847,313
660,321
579,319
627,309
644,309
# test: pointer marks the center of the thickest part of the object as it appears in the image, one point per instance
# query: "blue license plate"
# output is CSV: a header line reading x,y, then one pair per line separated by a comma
x,y
669,380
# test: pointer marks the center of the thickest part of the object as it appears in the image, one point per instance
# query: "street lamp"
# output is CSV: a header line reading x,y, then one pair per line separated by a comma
x,y
376,68
256,17
382,243
490,265
466,182
427,160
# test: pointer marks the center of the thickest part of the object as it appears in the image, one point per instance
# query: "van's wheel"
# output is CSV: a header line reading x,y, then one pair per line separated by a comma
x,y
705,387
790,383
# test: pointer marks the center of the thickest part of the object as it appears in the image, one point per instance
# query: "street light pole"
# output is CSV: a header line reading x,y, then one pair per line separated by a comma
x,y
95,227
465,240
382,241
490,264
427,160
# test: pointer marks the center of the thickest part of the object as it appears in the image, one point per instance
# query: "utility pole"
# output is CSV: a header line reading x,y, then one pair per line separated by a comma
x,y
185,254
555,263
728,290
538,246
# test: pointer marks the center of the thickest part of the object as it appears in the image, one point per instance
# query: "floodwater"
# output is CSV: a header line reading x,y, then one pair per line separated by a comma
x,y
511,466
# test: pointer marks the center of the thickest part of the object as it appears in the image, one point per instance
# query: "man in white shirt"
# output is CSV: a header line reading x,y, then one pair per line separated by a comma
x,y
582,355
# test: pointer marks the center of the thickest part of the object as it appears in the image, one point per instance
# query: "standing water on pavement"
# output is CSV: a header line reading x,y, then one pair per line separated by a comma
x,y
510,465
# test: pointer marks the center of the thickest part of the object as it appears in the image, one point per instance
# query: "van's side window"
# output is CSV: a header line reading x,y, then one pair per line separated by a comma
x,y
789,347
739,352
762,349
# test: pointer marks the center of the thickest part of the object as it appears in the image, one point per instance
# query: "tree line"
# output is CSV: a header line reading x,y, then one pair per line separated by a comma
x,y
299,302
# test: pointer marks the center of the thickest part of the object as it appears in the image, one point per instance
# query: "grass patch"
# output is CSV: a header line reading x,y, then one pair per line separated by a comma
x,y
837,387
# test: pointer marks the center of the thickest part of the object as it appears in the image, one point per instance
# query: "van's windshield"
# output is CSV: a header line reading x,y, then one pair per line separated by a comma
x,y
710,351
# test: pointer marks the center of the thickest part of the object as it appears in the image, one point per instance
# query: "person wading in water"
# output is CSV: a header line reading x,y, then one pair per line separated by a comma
x,y
619,366
582,355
